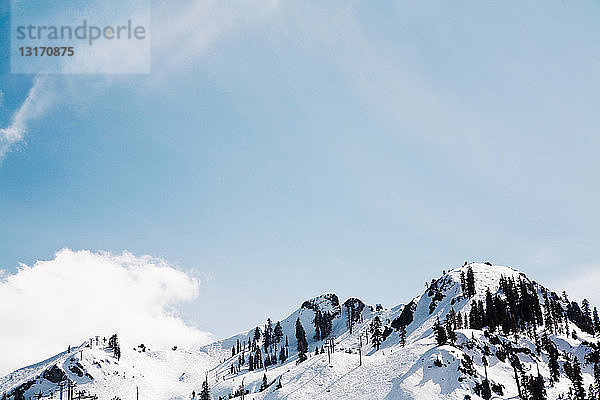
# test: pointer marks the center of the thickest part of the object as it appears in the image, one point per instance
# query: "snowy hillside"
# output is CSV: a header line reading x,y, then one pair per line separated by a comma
x,y
479,331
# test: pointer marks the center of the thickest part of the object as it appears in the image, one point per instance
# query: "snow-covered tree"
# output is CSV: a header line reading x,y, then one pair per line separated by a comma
x,y
205,392
376,332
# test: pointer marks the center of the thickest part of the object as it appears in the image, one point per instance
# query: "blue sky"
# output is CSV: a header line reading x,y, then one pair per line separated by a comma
x,y
282,150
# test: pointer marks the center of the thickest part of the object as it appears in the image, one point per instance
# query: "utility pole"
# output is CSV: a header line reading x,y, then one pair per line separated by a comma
x,y
137,393
71,389
61,386
360,350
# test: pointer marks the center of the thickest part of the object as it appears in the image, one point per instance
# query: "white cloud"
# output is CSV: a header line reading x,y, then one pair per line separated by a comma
x,y
78,294
33,107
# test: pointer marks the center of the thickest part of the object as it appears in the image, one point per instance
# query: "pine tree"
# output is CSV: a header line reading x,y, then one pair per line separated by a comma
x,y
553,365
486,392
450,334
205,392
350,312
282,355
470,282
548,319
402,335
577,380
317,322
278,333
587,314
113,343
268,335
490,311
257,334
250,362
440,333
264,383
376,332
537,391
596,322
301,339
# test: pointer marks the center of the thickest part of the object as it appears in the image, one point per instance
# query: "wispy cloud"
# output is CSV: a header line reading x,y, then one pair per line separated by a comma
x,y
34,106
81,293
175,47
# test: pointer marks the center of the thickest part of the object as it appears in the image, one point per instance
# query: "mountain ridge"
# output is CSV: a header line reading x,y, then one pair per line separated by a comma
x,y
508,331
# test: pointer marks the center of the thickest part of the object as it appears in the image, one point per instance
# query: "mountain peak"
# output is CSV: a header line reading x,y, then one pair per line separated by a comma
x,y
327,302
454,341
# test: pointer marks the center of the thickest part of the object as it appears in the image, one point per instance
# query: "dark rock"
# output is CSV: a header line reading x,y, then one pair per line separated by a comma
x,y
54,374
405,317
76,370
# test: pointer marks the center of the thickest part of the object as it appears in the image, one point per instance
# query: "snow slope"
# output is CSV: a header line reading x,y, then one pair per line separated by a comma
x,y
420,369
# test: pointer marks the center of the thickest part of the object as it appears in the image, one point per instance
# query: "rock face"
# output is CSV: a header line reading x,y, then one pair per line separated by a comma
x,y
356,304
405,317
54,374
325,303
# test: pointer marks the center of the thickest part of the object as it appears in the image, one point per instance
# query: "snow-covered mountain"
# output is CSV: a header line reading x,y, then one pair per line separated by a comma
x,y
479,331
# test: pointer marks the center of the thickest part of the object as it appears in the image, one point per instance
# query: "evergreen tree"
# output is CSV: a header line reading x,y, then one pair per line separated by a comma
x,y
597,378
376,332
450,334
533,387
113,343
257,334
577,380
440,333
470,282
402,335
587,313
282,355
301,339
596,322
317,322
486,392
548,319
268,335
350,311
205,392
490,311
250,362
277,333
553,365
264,384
